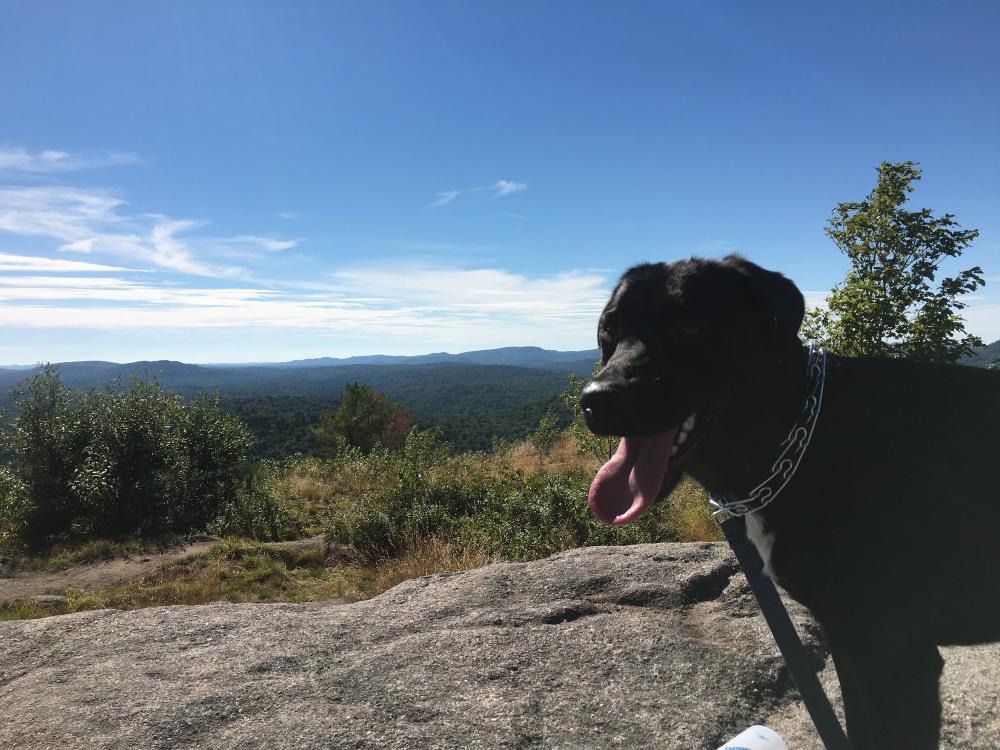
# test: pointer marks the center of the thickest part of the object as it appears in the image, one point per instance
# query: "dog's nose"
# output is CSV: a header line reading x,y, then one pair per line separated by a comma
x,y
597,405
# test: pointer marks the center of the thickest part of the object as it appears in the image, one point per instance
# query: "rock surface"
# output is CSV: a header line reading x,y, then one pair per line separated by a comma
x,y
652,646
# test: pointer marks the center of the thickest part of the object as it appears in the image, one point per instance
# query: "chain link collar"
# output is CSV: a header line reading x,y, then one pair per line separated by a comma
x,y
792,449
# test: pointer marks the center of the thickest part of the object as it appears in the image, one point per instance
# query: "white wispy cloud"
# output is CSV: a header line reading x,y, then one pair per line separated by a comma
x,y
97,222
394,303
506,187
264,243
22,160
983,319
815,299
168,251
10,262
444,198
290,215
486,291
443,307
499,189
65,213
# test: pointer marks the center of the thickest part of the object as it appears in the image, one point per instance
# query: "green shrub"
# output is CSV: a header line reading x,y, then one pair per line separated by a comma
x,y
258,511
472,501
116,461
13,509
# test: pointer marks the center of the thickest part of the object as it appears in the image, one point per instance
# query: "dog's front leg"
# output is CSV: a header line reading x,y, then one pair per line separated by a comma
x,y
889,680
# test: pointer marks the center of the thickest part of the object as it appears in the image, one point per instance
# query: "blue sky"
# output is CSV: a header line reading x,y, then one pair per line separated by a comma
x,y
249,181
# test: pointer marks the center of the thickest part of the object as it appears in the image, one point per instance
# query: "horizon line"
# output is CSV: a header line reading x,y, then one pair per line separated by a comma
x,y
14,366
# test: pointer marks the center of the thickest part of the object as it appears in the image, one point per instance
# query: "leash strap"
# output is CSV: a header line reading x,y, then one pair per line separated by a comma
x,y
818,705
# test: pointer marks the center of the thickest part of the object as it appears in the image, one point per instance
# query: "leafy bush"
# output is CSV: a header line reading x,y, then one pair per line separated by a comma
x,y
259,509
477,502
114,461
13,509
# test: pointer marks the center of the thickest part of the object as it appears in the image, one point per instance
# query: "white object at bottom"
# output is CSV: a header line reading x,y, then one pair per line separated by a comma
x,y
755,738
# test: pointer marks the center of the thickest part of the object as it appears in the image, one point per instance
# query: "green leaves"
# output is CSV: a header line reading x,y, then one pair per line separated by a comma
x,y
114,460
598,446
546,433
888,304
365,419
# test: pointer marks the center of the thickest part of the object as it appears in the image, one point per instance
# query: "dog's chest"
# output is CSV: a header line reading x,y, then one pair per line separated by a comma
x,y
762,538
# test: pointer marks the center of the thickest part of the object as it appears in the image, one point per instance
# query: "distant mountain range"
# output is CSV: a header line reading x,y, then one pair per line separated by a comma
x,y
474,396
518,356
500,377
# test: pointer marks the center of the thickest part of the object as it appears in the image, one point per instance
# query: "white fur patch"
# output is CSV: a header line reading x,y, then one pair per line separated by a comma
x,y
762,539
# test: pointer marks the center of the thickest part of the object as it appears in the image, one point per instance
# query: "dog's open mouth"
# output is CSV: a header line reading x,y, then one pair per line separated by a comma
x,y
628,484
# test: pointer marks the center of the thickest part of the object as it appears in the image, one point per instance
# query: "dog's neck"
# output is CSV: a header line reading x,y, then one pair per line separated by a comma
x,y
748,425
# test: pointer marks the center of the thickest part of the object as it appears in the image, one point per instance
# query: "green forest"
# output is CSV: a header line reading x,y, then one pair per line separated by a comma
x,y
281,424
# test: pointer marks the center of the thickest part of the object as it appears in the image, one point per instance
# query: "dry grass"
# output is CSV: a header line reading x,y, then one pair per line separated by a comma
x,y
564,455
235,570
242,571
304,491
308,489
426,556
95,550
690,517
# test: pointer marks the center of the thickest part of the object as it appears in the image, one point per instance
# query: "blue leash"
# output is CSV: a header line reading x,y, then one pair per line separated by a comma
x,y
818,705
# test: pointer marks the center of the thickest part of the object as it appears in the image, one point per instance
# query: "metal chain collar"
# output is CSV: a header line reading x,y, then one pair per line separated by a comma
x,y
792,449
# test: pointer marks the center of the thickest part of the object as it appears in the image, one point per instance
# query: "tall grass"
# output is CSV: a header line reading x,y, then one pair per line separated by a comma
x,y
516,503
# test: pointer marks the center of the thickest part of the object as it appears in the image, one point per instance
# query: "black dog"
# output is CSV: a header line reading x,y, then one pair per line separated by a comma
x,y
886,528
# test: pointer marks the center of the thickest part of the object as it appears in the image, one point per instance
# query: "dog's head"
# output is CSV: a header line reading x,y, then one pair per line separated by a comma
x,y
676,339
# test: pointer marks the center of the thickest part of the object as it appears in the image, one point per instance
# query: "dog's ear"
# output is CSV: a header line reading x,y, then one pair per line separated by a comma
x,y
779,298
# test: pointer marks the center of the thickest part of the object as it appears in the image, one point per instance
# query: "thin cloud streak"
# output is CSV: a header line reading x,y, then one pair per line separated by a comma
x,y
49,161
444,198
95,222
445,305
983,320
488,288
499,189
815,299
10,262
264,243
506,187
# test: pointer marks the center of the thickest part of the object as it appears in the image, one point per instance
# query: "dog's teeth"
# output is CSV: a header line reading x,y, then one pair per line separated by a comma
x,y
689,424
674,449
682,437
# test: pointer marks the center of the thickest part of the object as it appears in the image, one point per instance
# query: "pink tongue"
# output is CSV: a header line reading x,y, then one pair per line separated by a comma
x,y
626,486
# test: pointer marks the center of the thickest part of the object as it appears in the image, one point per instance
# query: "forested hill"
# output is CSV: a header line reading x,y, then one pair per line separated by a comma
x,y
985,356
472,403
449,388
518,356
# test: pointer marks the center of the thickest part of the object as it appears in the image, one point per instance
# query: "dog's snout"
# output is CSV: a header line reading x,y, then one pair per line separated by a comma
x,y
597,402
614,408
